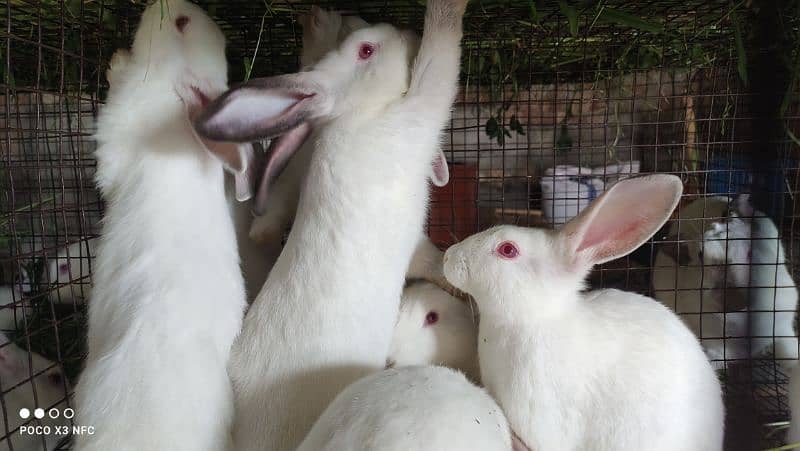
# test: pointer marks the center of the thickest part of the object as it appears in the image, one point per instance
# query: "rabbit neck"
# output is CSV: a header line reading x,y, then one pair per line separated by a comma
x,y
528,306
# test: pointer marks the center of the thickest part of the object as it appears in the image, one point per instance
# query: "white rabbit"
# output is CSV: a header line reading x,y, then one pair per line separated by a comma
x,y
168,295
13,307
258,250
326,313
435,328
30,381
71,272
323,31
603,370
704,295
749,246
421,408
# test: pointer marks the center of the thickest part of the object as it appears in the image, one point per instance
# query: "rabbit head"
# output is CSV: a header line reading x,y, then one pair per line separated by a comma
x,y
176,40
434,328
368,71
514,262
177,61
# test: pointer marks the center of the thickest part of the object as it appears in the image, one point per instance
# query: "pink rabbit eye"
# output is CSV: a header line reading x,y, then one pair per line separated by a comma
x,y
431,318
366,50
181,23
508,250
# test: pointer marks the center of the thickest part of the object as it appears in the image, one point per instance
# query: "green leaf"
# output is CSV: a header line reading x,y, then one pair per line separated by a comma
x,y
741,54
629,20
572,16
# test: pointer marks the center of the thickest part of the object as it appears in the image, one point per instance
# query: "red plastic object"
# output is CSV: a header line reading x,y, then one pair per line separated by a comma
x,y
454,207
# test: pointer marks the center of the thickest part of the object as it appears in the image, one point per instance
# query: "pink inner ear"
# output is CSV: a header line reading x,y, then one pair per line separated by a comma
x,y
623,218
597,235
440,175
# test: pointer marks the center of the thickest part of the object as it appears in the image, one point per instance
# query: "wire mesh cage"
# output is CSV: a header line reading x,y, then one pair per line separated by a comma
x,y
558,100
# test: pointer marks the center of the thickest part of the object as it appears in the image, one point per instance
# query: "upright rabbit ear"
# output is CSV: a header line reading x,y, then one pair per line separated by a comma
x,y
621,219
440,174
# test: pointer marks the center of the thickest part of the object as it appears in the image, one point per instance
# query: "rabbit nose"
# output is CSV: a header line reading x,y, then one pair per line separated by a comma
x,y
390,363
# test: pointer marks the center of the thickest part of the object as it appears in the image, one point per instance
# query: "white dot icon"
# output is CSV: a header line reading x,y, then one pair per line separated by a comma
x,y
38,413
24,413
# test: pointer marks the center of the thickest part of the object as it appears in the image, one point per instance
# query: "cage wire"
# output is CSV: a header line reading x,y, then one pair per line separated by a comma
x,y
558,100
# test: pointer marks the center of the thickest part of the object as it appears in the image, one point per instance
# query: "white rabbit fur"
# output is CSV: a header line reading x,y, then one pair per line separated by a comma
x,y
19,379
435,328
260,237
71,271
597,371
426,262
748,244
326,313
323,31
168,294
421,408
256,258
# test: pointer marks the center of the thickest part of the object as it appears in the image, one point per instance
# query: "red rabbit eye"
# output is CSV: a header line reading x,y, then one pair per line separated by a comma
x,y
508,250
431,318
366,50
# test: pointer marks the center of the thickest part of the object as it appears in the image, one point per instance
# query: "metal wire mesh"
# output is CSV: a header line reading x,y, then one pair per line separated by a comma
x,y
596,90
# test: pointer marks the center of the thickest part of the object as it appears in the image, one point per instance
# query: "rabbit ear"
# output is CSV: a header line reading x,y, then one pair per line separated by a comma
x,y
280,152
440,174
259,109
621,219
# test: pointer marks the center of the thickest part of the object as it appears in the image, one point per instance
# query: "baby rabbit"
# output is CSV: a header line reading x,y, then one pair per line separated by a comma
x,y
30,384
420,408
603,370
168,295
435,328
